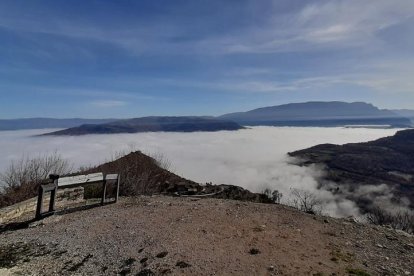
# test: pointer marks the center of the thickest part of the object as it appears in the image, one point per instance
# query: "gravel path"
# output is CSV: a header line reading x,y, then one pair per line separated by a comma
x,y
185,236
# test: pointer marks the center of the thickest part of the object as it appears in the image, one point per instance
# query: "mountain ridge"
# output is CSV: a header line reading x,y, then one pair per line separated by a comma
x,y
44,122
313,113
318,113
388,160
153,124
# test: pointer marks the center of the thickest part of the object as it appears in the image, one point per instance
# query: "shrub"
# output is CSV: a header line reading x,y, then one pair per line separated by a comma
x,y
275,195
22,178
402,219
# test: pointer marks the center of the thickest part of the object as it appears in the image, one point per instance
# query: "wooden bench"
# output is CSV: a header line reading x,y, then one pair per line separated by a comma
x,y
70,182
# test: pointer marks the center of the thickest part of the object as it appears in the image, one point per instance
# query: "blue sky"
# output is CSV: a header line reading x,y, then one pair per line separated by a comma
x,y
136,58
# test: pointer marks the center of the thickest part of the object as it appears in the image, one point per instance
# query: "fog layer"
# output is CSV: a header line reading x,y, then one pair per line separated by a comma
x,y
252,158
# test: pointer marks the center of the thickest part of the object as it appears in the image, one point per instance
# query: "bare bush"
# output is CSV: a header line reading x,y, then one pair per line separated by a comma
x,y
275,195
161,161
22,178
402,219
306,201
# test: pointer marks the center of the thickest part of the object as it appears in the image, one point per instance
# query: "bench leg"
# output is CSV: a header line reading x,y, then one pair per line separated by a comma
x,y
52,188
103,193
39,203
117,188
52,199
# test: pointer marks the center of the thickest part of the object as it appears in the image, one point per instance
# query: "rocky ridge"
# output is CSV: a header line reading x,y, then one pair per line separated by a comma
x,y
388,161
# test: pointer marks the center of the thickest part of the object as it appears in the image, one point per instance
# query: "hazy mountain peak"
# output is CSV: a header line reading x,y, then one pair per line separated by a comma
x,y
319,113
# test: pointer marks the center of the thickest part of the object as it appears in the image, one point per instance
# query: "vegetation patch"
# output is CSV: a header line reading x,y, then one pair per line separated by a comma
x,y
182,264
356,271
338,255
11,255
254,251
129,261
146,272
162,254
80,264
126,266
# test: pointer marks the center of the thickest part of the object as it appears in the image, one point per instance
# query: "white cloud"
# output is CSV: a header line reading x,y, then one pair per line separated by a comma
x,y
334,24
253,158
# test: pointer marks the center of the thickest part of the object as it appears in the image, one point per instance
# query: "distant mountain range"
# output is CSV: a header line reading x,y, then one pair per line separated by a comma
x,y
319,114
407,113
324,114
39,123
150,124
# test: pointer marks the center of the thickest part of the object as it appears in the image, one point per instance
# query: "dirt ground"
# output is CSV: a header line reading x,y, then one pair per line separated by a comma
x,y
183,236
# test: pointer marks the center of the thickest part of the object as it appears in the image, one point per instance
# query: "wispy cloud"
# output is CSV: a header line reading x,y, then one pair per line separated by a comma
x,y
108,103
335,24
145,53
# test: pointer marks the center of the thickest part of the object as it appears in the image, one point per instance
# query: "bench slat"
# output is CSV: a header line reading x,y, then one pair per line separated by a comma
x,y
80,179
111,177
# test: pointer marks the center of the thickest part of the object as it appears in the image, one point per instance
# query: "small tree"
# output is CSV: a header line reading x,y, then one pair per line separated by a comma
x,y
306,201
267,192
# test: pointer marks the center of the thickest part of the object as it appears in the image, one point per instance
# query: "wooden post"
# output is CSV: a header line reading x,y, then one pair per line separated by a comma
x,y
103,190
53,192
117,188
39,203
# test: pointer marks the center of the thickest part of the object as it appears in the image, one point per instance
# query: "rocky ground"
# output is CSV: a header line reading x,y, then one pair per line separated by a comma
x,y
186,236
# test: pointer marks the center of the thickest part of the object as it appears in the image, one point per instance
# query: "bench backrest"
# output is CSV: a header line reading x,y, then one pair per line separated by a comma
x,y
70,181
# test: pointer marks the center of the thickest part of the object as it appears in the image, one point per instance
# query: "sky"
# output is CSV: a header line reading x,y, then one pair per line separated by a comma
x,y
253,158
120,59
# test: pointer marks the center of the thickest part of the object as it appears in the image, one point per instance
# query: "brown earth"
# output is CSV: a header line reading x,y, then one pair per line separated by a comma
x,y
186,236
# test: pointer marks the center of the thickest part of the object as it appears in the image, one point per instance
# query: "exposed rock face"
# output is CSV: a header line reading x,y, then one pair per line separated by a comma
x,y
388,160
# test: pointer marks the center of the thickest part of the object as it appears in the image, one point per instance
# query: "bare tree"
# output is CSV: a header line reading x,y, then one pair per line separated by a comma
x,y
401,219
34,169
161,161
22,178
306,201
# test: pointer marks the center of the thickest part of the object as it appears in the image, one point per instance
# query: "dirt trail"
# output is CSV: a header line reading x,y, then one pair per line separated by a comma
x,y
184,236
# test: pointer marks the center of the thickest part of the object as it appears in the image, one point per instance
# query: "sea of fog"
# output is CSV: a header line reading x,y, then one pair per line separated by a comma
x,y
252,158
